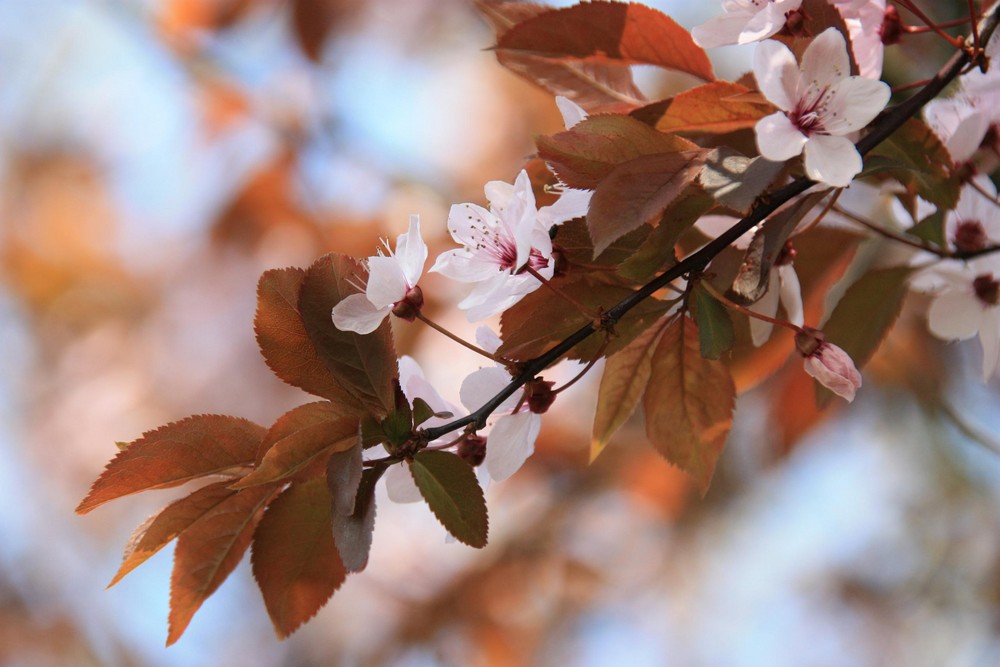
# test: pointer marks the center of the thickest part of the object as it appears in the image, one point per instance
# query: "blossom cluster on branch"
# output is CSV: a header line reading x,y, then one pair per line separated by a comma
x,y
641,243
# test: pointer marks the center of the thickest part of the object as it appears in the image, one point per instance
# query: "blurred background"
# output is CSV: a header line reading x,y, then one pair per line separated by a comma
x,y
157,155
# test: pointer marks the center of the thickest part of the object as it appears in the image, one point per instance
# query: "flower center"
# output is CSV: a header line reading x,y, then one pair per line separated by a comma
x,y
810,111
970,236
987,289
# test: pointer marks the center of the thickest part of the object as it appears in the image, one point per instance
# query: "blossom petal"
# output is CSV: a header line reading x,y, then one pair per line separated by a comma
x,y
498,194
572,203
777,74
521,217
777,138
989,336
386,282
356,313
467,223
720,30
411,252
767,305
853,103
400,485
791,294
767,21
954,315
834,369
482,385
510,443
825,61
572,113
463,266
832,160
487,339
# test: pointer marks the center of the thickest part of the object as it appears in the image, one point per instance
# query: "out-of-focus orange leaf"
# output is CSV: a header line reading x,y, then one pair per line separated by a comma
x,y
294,558
303,416
718,107
300,449
661,486
688,403
591,149
176,453
157,531
284,342
626,374
209,550
603,31
364,365
177,17
222,105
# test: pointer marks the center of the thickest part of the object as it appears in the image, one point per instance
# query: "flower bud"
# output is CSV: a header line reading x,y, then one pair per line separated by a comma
x,y
828,364
408,307
540,396
472,449
891,30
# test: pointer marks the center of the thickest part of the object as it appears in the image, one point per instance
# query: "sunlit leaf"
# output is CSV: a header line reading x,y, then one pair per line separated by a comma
x,y
176,453
449,486
626,374
591,149
209,550
718,107
603,31
736,181
283,339
573,240
688,403
157,531
364,365
294,558
657,251
637,192
353,532
715,327
303,448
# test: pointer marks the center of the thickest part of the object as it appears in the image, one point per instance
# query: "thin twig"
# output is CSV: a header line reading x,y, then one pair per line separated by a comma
x,y
590,364
464,343
560,293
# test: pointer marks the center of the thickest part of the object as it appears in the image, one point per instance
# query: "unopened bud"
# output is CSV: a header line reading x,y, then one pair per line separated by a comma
x,y
540,396
828,364
891,30
472,449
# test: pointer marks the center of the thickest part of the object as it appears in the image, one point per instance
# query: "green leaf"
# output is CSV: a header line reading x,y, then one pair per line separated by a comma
x,y
209,550
591,149
300,450
921,162
294,558
688,403
283,339
637,192
179,452
422,411
657,251
602,31
715,327
931,229
449,486
353,532
626,374
364,365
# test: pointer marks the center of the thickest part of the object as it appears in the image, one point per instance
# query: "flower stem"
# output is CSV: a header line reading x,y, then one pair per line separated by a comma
x,y
908,4
900,238
746,311
590,364
979,188
464,343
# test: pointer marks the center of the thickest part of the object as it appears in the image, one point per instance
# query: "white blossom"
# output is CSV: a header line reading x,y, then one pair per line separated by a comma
x,y
744,21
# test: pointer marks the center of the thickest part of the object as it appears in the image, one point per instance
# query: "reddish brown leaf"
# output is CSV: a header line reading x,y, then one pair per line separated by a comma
x,y
302,448
364,365
637,192
209,550
296,419
177,453
283,339
158,530
718,107
311,22
688,403
603,31
294,558
588,152
626,374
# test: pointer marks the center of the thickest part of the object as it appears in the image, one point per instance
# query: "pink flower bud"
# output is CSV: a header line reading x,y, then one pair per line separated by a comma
x,y
831,366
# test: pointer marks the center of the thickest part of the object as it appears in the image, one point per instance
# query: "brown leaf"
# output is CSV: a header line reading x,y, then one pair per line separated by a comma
x,y
588,152
626,374
158,530
364,365
719,107
688,403
294,558
602,31
176,453
283,339
299,418
303,448
209,550
637,192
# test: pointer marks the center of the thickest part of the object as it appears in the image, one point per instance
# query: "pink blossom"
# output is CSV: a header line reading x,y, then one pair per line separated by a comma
x,y
392,280
828,364
744,21
820,104
864,26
